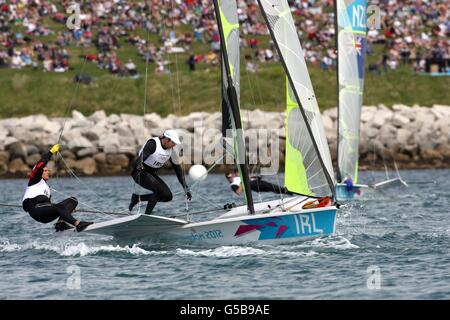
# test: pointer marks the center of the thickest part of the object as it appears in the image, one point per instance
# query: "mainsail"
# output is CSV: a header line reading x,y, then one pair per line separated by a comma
x,y
228,23
351,26
308,169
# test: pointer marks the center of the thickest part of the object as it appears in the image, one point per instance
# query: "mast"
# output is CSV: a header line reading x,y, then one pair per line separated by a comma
x,y
281,20
336,33
233,104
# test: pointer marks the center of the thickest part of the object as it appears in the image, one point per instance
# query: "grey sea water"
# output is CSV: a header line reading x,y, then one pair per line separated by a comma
x,y
393,246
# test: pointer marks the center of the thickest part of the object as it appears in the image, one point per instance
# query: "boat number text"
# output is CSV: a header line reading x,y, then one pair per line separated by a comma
x,y
210,234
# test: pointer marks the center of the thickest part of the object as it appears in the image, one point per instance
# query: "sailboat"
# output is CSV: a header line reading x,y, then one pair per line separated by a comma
x,y
351,32
308,171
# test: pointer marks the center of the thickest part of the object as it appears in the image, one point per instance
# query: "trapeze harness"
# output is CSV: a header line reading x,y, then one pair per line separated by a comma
x,y
152,157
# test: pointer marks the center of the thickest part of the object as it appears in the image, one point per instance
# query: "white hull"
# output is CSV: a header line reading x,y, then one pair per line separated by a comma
x,y
391,183
235,227
360,191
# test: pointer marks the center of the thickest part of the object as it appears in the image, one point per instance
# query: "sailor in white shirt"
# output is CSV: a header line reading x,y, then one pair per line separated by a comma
x,y
151,157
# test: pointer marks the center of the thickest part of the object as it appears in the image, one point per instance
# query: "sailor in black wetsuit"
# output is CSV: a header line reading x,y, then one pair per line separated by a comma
x,y
36,200
256,184
151,157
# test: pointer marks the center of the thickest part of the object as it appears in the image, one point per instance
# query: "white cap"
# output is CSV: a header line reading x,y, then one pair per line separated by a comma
x,y
172,135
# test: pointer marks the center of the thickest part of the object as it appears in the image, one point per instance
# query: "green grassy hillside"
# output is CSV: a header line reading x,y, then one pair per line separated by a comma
x,y
28,91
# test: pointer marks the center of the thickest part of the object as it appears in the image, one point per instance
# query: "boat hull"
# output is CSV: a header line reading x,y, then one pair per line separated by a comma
x,y
264,228
390,183
357,192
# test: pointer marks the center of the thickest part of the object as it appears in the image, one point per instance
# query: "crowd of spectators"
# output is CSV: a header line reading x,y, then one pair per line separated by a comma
x,y
33,33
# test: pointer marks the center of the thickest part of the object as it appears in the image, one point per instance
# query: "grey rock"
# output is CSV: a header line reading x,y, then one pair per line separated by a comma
x,y
118,159
87,166
17,150
79,143
98,116
96,132
328,123
381,117
367,114
403,136
4,156
86,152
78,116
214,120
18,166
332,113
32,159
3,168
399,121
100,157
113,119
9,141
32,149
152,120
67,154
52,127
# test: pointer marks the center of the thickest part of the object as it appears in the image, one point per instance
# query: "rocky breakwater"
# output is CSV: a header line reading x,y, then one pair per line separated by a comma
x,y
416,137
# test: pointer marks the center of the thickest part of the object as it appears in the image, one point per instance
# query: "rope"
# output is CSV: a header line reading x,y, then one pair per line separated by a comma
x,y
70,105
178,89
76,210
73,174
200,212
385,166
265,120
90,207
144,111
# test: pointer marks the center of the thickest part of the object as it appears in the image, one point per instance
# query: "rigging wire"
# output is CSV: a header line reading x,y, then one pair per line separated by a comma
x,y
147,58
73,174
93,209
71,103
76,210
258,90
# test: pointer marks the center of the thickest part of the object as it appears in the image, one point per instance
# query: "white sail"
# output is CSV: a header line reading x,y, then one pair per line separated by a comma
x,y
309,169
351,38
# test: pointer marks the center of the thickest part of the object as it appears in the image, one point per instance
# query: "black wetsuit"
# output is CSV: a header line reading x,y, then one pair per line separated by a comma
x,y
259,185
40,207
147,177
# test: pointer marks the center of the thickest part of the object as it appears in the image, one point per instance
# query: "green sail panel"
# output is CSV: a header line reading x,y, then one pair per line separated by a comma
x,y
295,171
308,168
230,27
351,41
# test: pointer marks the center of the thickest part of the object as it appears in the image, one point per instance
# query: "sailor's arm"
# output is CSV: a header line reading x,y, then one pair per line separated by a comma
x,y
178,171
38,170
237,189
149,148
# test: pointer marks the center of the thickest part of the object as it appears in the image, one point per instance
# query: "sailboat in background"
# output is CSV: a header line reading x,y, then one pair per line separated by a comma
x,y
351,32
309,171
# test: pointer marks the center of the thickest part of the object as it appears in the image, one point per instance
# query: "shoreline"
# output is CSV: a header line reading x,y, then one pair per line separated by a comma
x,y
100,145
169,172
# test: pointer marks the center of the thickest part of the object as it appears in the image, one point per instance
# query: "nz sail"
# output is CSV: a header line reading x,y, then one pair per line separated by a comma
x,y
308,169
228,23
351,26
